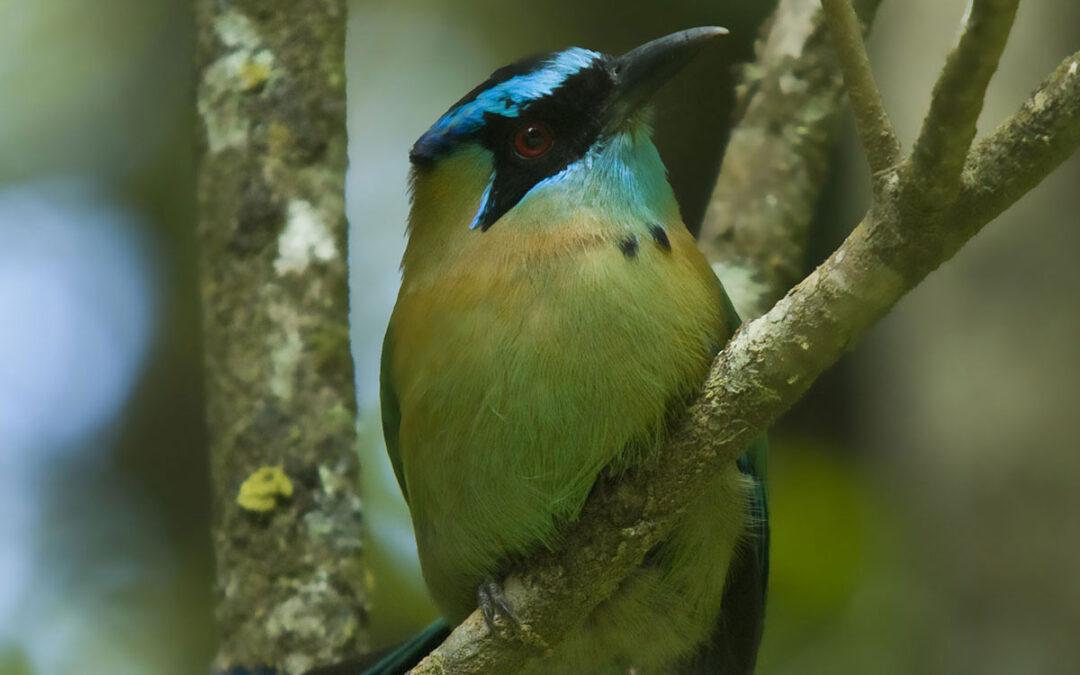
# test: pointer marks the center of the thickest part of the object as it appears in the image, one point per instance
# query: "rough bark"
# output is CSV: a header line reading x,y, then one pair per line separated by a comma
x,y
773,359
279,387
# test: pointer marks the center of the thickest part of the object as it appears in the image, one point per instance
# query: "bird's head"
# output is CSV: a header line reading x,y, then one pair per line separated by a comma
x,y
567,122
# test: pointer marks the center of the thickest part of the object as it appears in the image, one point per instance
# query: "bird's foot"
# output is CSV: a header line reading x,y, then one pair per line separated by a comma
x,y
498,616
502,621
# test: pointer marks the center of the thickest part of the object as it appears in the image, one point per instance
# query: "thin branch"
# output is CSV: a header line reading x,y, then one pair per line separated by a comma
x,y
871,121
762,370
1024,149
776,161
949,127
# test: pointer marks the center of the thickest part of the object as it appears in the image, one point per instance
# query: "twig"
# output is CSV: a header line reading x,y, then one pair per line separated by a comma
x,y
871,121
949,127
765,367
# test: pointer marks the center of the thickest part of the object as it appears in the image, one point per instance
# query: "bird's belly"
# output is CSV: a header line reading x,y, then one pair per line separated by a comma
x,y
518,384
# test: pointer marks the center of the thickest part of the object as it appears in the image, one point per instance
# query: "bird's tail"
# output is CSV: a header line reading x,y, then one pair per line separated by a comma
x,y
395,660
409,653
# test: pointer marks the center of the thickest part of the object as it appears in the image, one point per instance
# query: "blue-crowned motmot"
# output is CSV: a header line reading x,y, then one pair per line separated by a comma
x,y
554,317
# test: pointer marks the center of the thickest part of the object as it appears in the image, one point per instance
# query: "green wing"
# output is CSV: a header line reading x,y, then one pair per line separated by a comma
x,y
391,411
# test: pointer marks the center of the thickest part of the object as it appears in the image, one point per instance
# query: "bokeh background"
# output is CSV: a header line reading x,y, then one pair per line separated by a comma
x,y
926,493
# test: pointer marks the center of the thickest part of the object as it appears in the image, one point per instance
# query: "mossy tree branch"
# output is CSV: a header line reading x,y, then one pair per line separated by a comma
x,y
278,370
768,364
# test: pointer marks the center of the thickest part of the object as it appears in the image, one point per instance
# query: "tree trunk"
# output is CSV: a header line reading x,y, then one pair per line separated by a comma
x,y
279,376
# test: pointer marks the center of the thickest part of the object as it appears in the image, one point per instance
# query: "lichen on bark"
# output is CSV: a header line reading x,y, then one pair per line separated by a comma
x,y
278,372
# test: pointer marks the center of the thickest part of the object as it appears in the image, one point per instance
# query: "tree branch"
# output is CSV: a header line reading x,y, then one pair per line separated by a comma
x,y
278,370
871,121
757,224
1025,148
955,105
762,370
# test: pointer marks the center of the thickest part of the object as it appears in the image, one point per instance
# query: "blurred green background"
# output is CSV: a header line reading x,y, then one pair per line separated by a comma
x,y
925,494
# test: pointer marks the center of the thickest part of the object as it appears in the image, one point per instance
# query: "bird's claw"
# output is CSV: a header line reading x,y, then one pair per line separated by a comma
x,y
496,610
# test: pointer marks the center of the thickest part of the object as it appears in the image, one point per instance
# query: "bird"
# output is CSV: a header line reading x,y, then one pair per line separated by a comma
x,y
554,317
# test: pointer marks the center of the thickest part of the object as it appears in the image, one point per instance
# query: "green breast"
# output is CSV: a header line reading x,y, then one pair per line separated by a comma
x,y
516,382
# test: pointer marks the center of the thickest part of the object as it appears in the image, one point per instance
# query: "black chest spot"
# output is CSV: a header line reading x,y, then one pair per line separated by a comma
x,y
660,236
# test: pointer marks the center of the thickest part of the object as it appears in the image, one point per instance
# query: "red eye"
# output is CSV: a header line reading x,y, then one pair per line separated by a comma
x,y
532,140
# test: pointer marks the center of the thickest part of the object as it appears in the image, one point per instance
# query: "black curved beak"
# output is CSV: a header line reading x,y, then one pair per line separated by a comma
x,y
642,70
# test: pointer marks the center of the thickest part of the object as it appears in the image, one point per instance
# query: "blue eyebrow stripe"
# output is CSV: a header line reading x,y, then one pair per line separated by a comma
x,y
506,98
